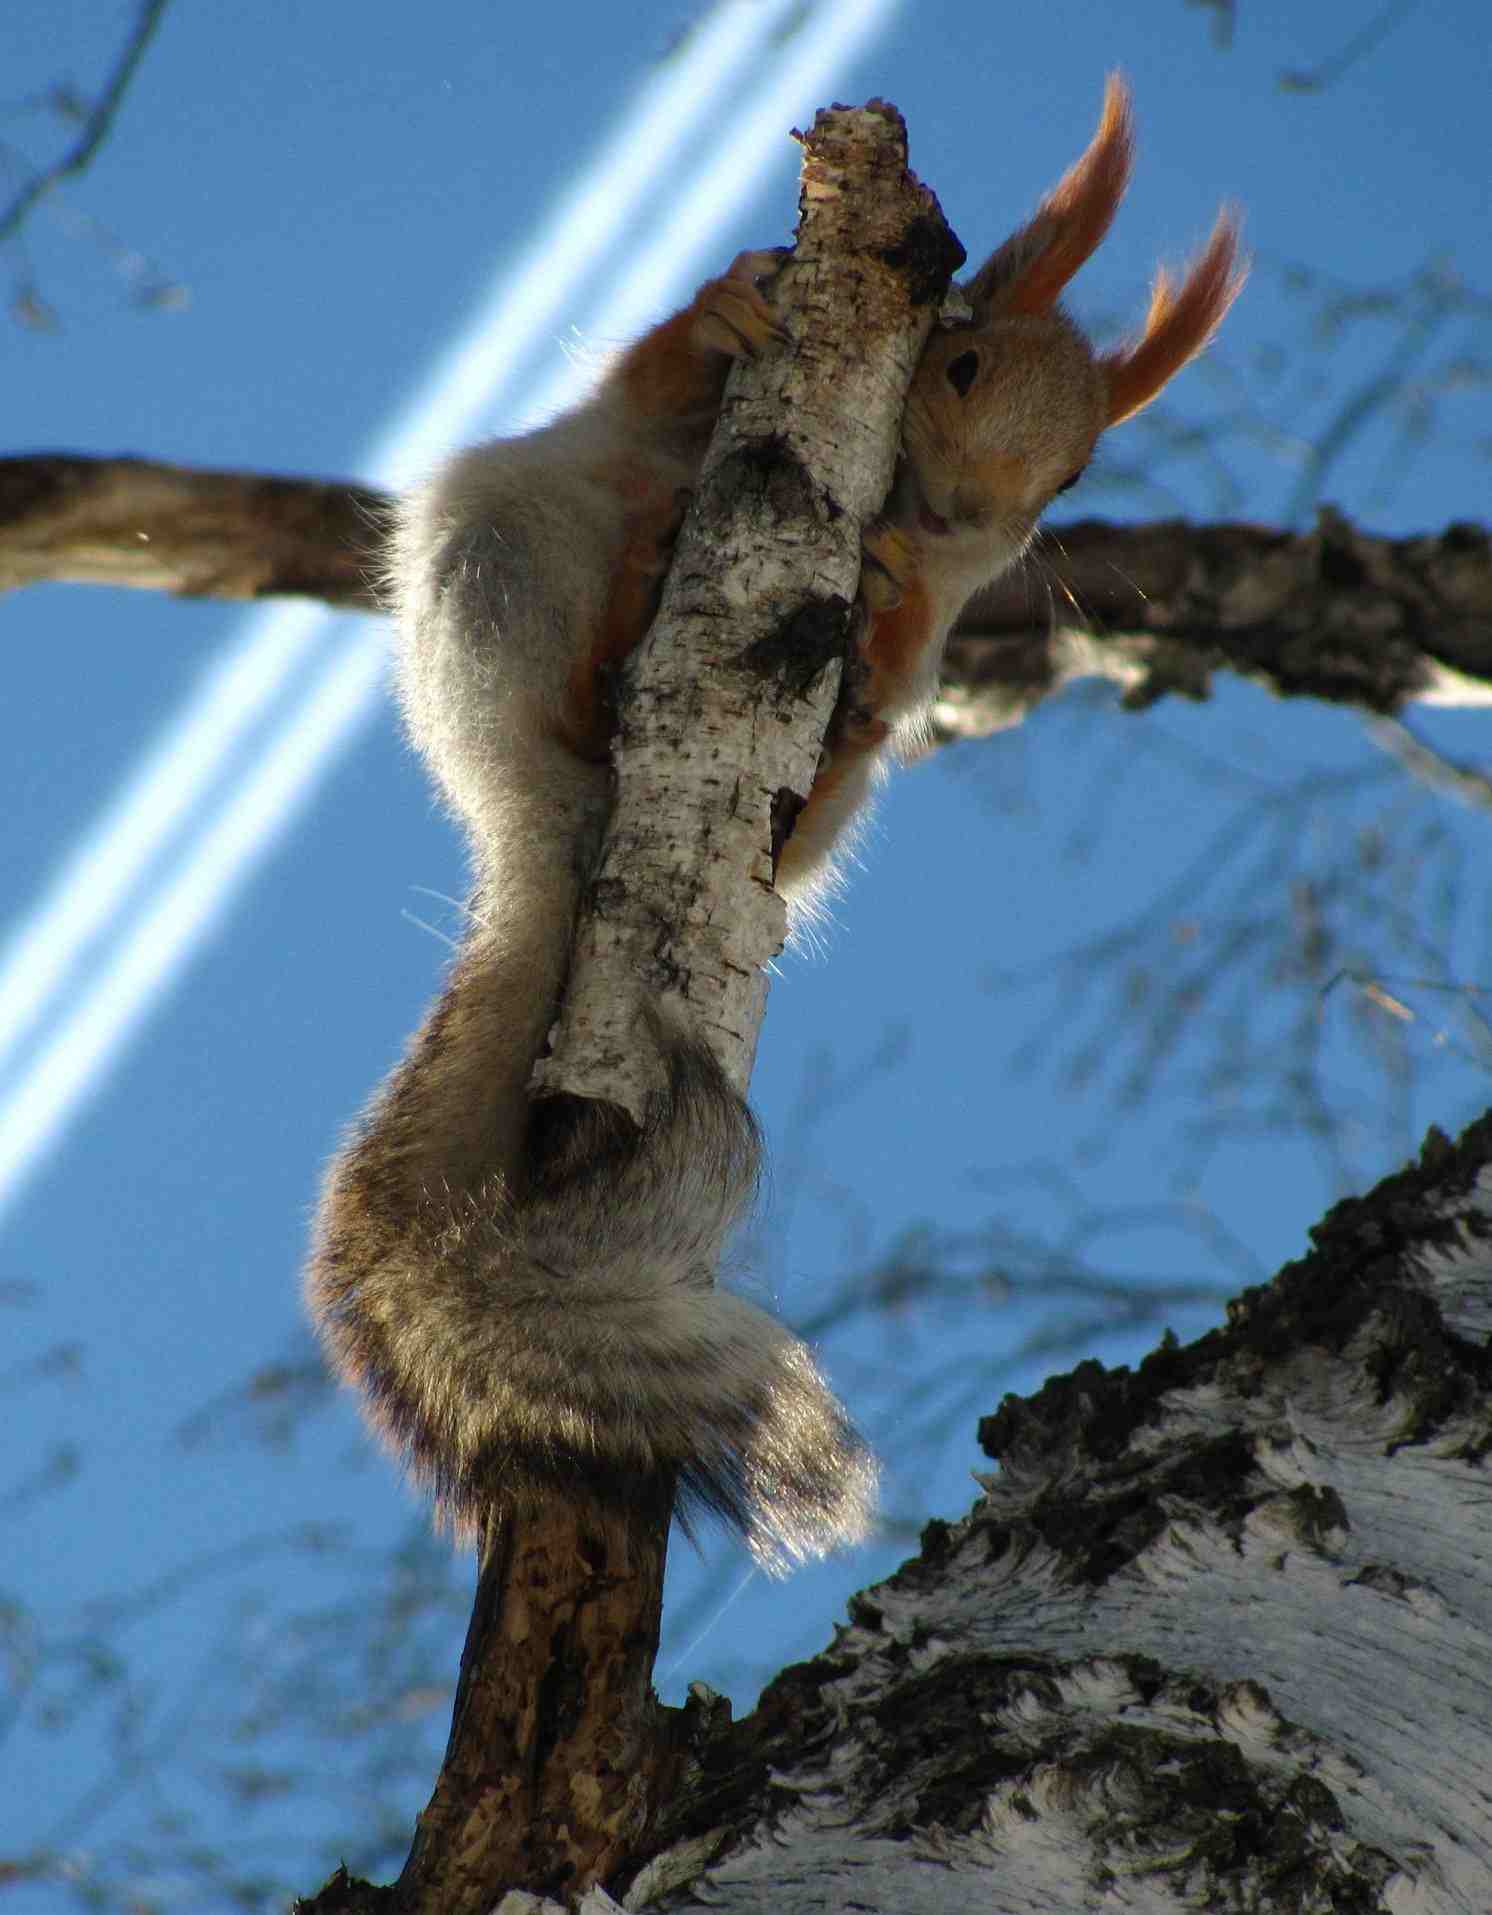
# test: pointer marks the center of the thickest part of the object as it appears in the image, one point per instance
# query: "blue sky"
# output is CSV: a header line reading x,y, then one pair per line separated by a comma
x,y
341,192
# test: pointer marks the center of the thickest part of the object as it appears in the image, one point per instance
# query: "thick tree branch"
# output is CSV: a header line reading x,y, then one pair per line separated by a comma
x,y
1334,614
1220,1631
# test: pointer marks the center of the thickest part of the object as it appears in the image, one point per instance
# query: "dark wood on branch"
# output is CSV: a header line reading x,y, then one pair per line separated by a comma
x,y
1335,613
556,1744
199,534
551,1768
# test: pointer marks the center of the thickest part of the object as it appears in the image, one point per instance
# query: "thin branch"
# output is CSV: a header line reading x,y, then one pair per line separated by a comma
x,y
96,127
731,692
1316,79
1433,768
1371,397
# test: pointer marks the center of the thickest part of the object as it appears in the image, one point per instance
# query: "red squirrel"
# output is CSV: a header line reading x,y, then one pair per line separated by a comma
x,y
524,1291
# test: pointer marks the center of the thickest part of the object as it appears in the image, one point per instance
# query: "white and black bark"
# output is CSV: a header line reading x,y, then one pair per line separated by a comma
x,y
1218,1636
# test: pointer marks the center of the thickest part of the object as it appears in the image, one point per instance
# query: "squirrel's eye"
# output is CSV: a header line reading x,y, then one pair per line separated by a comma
x,y
1068,484
961,372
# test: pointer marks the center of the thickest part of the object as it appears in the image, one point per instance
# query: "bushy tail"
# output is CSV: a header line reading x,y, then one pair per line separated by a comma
x,y
573,1342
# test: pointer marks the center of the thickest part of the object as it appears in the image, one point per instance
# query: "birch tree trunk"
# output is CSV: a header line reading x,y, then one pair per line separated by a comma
x,y
1217,1637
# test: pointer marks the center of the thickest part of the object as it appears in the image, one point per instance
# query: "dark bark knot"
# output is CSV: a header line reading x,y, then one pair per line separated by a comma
x,y
793,655
767,475
926,256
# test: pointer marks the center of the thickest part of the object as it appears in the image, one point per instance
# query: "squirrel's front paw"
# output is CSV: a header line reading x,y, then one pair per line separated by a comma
x,y
732,314
888,564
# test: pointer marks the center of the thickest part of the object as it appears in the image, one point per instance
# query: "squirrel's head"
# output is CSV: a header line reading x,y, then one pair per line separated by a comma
x,y
1005,409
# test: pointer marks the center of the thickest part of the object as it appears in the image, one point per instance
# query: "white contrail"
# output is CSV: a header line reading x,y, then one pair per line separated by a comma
x,y
172,921
168,790
749,146
182,909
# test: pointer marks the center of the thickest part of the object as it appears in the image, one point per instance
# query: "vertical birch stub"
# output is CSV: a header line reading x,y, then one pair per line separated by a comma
x,y
729,696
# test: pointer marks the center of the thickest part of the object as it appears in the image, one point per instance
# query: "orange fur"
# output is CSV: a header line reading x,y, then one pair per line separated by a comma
x,y
1071,221
664,376
891,652
893,646
678,370
1179,323
585,719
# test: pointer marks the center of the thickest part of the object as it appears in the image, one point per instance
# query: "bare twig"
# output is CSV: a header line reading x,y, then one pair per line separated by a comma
x,y
1432,768
96,128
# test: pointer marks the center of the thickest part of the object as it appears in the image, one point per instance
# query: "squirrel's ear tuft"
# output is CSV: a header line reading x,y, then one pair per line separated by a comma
x,y
1179,323
1028,272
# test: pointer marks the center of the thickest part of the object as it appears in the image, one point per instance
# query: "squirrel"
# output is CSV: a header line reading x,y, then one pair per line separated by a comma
x,y
522,1289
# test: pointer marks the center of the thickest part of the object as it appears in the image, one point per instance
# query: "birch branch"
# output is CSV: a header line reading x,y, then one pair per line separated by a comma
x,y
1334,614
98,123
727,705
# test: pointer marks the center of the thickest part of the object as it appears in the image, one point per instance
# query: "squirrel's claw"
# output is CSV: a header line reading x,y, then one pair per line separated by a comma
x,y
732,313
